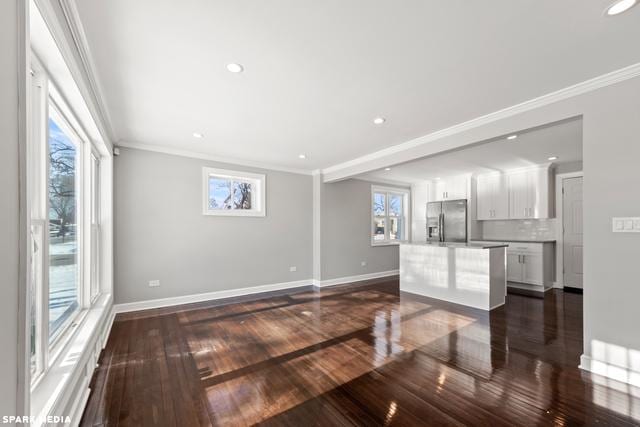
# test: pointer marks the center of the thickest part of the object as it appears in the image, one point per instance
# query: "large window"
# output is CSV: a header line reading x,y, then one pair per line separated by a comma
x,y
233,193
389,213
64,189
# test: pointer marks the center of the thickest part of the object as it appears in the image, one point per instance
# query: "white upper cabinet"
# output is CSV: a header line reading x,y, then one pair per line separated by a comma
x,y
452,188
492,197
529,193
519,194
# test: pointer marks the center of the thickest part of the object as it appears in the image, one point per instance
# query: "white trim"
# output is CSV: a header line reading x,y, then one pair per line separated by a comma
x,y
71,42
586,86
351,279
406,214
622,374
77,408
208,296
203,156
258,197
559,282
62,387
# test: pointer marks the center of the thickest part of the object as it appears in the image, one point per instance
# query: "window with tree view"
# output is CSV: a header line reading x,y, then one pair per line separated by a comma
x,y
389,215
63,231
233,193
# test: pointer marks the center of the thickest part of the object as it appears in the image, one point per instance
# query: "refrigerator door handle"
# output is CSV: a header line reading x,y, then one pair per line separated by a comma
x,y
441,227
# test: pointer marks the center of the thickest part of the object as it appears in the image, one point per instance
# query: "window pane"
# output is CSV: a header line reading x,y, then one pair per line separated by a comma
x,y
241,195
395,204
95,226
63,238
219,193
378,228
396,228
378,204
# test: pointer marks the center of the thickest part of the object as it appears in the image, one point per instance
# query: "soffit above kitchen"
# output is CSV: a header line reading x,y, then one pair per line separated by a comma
x,y
556,143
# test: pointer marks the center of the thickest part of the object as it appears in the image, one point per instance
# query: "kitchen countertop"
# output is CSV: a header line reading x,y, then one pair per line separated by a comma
x,y
514,240
469,245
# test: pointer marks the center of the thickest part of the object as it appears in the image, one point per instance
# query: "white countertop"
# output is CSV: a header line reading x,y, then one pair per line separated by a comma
x,y
468,245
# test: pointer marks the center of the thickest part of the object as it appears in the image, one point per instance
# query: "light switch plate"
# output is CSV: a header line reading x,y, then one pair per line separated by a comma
x,y
626,224
154,283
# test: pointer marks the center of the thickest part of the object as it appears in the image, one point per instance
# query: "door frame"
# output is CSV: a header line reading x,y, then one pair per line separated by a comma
x,y
559,282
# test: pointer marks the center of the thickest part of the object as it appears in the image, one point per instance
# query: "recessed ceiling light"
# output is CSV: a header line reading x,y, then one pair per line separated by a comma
x,y
197,135
235,68
302,156
553,158
379,120
512,137
387,169
620,6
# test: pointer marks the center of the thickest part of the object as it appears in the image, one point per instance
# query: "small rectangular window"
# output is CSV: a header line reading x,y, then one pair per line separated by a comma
x,y
389,212
233,193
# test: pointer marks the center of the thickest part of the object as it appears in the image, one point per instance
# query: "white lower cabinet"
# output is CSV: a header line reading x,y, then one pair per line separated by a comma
x,y
532,269
531,264
514,268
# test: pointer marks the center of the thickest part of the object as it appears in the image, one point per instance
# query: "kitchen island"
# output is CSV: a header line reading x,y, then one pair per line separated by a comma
x,y
472,274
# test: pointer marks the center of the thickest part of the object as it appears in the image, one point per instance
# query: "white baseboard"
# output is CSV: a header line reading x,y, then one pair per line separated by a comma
x,y
208,296
618,373
358,278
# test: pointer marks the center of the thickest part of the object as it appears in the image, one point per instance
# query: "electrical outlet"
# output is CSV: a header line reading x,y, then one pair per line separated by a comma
x,y
154,283
292,269
363,263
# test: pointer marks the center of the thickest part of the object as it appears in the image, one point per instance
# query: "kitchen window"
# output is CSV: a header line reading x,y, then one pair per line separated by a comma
x,y
389,215
233,193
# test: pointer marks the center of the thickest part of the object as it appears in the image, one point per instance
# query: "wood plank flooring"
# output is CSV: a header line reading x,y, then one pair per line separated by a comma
x,y
354,355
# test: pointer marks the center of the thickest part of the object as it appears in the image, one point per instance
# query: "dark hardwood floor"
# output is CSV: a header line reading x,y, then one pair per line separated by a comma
x,y
354,355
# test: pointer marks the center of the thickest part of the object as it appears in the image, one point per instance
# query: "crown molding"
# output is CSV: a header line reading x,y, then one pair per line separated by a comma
x,y
204,156
581,88
61,16
71,14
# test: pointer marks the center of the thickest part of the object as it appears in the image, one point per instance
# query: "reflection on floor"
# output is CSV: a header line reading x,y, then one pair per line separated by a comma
x,y
353,355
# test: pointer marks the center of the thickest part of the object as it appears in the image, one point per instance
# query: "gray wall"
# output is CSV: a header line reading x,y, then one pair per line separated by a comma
x,y
346,232
611,188
161,233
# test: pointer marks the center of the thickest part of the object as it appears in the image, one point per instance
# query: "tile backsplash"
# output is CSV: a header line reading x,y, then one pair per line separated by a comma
x,y
526,229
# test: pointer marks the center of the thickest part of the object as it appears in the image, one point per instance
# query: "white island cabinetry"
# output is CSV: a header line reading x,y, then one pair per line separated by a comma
x,y
469,274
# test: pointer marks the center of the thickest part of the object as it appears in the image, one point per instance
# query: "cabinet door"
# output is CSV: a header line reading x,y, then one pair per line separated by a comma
x,y
514,268
538,193
518,183
532,271
484,197
457,187
439,190
500,198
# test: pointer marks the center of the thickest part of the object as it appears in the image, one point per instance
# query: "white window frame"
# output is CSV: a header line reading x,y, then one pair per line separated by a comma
x,y
406,195
257,194
48,102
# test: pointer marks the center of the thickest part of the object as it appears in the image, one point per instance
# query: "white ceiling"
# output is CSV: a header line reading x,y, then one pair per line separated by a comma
x,y
531,147
318,72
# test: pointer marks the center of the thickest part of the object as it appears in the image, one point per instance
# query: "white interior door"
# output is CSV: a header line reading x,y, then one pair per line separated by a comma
x,y
572,236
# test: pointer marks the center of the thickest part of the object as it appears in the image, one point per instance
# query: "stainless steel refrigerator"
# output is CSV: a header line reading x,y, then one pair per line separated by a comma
x,y
447,221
